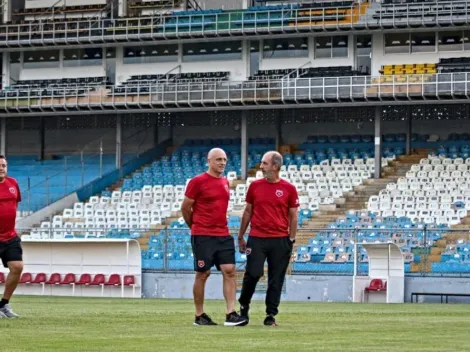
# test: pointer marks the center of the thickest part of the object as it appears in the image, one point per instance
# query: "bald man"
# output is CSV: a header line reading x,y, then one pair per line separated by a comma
x,y
205,212
271,208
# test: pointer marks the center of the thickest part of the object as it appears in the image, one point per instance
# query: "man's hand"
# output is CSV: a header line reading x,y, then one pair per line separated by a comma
x,y
241,245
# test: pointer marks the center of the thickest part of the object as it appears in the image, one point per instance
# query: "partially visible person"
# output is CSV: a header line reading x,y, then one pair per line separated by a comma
x,y
272,209
205,212
11,252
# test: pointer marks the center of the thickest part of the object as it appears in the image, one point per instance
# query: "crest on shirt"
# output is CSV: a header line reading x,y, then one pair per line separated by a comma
x,y
200,263
12,190
248,251
279,193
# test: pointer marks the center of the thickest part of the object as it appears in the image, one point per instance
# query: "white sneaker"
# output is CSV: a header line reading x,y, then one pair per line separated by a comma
x,y
2,315
8,312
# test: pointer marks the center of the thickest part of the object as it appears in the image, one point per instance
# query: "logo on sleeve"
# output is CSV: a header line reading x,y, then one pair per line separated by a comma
x,y
279,193
12,190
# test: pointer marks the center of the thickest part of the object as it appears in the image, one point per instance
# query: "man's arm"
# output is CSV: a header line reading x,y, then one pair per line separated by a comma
x,y
187,210
245,220
293,216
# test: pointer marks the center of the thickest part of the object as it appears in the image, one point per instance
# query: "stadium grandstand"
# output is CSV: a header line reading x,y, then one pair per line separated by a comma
x,y
108,108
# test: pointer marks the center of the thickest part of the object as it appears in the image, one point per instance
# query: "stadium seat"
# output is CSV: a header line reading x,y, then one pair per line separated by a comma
x,y
54,279
41,279
85,279
69,279
2,278
129,280
376,285
26,278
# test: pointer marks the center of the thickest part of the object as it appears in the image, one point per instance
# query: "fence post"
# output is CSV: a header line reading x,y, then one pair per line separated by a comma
x,y
165,252
426,255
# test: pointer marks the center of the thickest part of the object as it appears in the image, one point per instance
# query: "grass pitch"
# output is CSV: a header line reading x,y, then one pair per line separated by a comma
x,y
93,324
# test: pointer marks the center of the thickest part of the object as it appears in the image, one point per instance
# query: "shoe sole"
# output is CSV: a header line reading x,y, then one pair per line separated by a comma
x,y
240,323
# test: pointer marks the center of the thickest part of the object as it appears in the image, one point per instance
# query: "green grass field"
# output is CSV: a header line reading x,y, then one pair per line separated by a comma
x,y
92,324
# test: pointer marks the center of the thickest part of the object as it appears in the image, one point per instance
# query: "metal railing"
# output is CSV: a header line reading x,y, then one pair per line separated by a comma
x,y
428,250
225,24
449,86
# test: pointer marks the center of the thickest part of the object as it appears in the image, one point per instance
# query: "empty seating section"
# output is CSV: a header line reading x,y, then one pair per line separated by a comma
x,y
42,182
455,64
311,72
426,9
409,69
332,249
55,87
142,83
149,197
59,12
455,258
435,191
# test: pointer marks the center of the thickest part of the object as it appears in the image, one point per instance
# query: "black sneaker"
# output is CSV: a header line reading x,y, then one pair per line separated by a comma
x,y
233,319
270,321
204,319
244,311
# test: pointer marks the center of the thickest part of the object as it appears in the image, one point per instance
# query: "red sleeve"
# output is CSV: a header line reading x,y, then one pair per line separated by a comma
x,y
18,199
293,198
249,195
193,189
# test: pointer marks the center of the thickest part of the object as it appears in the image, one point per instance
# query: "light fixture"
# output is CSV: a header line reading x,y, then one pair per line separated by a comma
x,y
142,52
228,49
267,47
74,56
279,46
291,46
85,56
252,48
215,50
130,53
397,42
190,51
203,50
342,43
41,58
30,58
52,57
304,46
108,54
97,55
165,52
239,48
154,52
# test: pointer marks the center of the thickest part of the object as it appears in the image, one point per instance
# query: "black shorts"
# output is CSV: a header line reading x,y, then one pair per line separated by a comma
x,y
212,250
11,251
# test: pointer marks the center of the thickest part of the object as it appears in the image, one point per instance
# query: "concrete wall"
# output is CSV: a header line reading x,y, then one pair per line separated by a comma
x,y
306,288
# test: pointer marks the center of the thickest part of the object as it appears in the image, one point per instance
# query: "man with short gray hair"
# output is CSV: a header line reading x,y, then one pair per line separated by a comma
x,y
271,208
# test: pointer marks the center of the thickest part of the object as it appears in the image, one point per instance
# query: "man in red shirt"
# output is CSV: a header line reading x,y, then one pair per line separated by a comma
x,y
271,207
205,212
11,252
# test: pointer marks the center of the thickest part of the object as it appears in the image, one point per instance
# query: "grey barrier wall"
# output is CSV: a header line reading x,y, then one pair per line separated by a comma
x,y
302,288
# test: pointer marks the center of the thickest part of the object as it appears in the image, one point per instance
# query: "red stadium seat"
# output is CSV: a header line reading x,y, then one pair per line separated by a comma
x,y
376,285
2,278
85,279
54,279
40,279
129,280
26,278
98,280
69,279
114,280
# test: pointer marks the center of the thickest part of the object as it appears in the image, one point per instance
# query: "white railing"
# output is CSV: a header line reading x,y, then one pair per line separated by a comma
x,y
287,91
